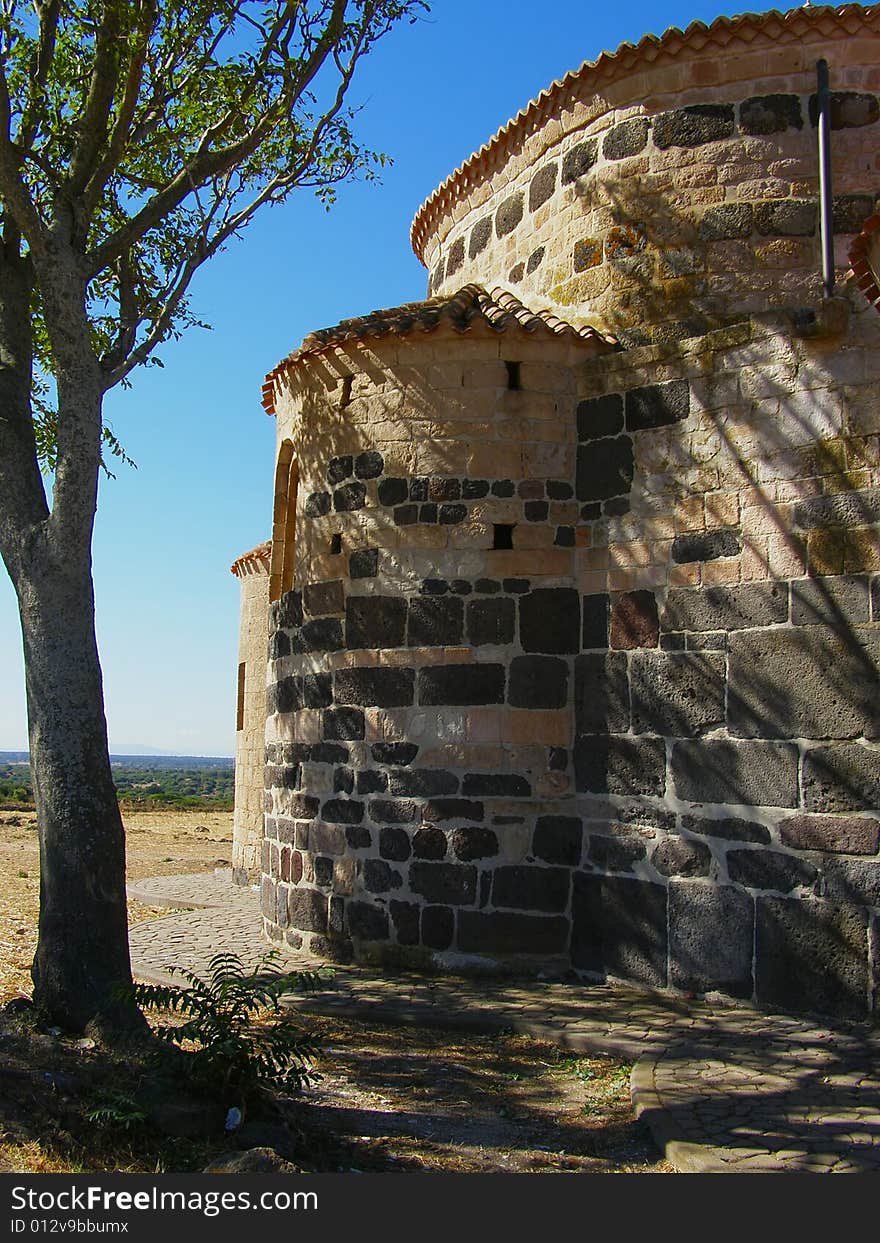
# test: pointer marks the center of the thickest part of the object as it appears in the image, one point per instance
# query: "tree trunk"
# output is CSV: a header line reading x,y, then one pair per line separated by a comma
x,y
82,953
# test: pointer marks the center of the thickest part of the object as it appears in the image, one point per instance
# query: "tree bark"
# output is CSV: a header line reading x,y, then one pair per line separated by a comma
x,y
82,953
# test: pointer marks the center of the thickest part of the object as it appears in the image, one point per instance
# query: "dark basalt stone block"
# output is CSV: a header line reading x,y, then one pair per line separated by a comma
x,y
594,611
358,837
316,690
307,910
839,602
455,258
406,515
428,512
381,688
461,685
601,693
317,505
438,927
599,417
541,186
770,114
505,932
711,935
677,694
726,222
726,608
441,809
619,928
558,839
370,781
474,843
550,620
279,645
764,774
531,888
480,235
840,509
339,468
322,634
769,869
319,599
677,856
604,468
343,781
350,496
418,489
375,621
444,489
538,682
393,491
618,765
850,211
367,922
625,139
429,843
534,260
657,405
579,160
509,214
849,835
496,785
804,683
811,955
845,777
849,109
787,218
342,811
405,917
705,546
328,753
450,884
394,843
343,724
693,126
393,811
474,489
435,622
490,621
422,782
727,828
303,807
363,563
615,854
369,464
400,753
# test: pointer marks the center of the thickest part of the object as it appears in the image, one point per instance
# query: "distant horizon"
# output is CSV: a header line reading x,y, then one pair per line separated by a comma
x,y
144,754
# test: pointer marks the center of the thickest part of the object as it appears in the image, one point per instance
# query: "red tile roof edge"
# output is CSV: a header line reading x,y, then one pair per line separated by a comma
x,y
497,307
627,58
257,556
867,280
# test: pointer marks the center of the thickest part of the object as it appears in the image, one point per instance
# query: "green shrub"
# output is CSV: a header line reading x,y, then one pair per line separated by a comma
x,y
243,1040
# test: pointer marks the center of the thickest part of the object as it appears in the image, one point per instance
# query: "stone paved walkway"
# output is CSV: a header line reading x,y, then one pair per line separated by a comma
x,y
722,1089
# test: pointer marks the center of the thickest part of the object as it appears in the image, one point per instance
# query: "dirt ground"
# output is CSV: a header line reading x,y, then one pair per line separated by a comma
x,y
386,1098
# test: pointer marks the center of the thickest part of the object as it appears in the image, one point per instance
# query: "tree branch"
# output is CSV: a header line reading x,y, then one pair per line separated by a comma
x,y
12,187
49,12
102,89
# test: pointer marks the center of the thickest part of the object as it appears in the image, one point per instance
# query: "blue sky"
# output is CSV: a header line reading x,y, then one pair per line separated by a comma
x,y
167,606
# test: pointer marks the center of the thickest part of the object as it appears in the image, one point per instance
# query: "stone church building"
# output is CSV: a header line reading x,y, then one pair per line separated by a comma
x,y
572,601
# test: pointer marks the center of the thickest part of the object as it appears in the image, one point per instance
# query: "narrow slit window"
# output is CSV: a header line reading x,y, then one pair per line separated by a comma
x,y
335,544
345,396
513,375
239,710
503,535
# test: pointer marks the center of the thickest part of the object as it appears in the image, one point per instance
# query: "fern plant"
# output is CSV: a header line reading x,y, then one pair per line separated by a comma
x,y
243,1038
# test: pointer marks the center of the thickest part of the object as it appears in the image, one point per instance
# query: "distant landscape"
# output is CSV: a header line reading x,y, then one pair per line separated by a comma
x,y
141,781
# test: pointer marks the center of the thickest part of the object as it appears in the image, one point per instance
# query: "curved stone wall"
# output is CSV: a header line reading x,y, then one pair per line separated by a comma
x,y
252,571
666,191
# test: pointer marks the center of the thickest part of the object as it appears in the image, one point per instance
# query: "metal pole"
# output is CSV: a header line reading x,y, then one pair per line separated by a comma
x,y
826,228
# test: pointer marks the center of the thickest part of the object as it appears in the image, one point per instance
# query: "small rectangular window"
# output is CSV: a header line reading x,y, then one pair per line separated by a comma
x,y
240,703
512,375
335,544
345,398
503,535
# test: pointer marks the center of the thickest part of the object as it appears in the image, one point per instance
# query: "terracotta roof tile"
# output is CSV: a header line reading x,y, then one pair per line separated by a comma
x,y
865,265
827,20
258,556
497,308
